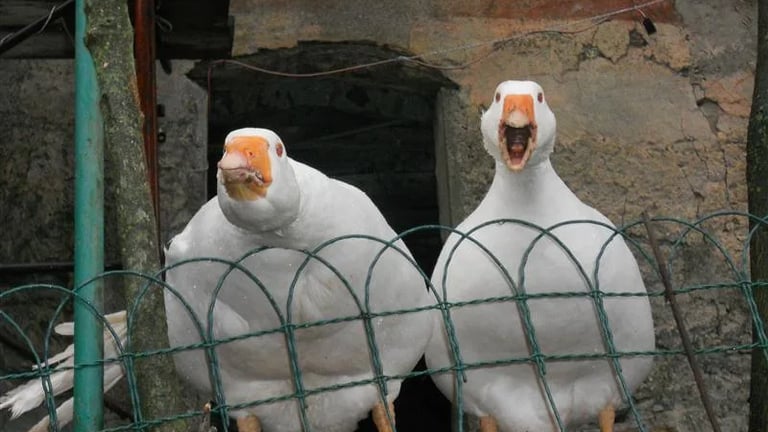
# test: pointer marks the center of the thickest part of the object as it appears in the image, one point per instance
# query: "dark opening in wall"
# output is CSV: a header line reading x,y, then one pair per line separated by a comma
x,y
372,128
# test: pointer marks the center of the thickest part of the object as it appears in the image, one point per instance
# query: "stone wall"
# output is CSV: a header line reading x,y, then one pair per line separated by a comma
x,y
37,128
36,187
645,123
182,157
666,113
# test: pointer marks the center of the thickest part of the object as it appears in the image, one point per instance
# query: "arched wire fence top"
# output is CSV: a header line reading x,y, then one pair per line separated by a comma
x,y
740,275
287,326
365,308
518,290
206,332
676,238
696,226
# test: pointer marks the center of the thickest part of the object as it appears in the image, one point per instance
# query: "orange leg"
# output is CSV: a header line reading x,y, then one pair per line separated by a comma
x,y
249,423
380,417
606,418
488,424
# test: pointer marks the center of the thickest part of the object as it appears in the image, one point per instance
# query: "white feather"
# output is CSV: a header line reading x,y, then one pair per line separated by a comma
x,y
489,332
31,394
302,209
64,412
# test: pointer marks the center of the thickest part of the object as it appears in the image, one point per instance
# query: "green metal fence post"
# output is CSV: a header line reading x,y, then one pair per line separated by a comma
x,y
89,234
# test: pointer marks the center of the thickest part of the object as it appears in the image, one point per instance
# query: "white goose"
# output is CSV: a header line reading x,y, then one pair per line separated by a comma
x,y
519,132
267,199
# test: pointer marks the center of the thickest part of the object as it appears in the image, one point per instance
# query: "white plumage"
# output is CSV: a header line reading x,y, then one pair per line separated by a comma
x,y
30,395
519,132
267,199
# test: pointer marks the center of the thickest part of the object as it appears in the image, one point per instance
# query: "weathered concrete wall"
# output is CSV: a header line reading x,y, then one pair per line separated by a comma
x,y
36,129
645,123
642,103
36,126
654,123
36,187
182,157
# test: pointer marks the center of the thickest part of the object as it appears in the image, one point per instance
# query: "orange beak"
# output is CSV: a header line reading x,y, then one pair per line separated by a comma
x,y
245,168
517,131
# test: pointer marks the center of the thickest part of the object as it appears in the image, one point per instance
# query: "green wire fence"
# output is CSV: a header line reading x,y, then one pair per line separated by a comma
x,y
680,235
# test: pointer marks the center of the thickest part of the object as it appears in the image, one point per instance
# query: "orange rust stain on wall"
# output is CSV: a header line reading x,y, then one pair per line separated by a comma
x,y
555,9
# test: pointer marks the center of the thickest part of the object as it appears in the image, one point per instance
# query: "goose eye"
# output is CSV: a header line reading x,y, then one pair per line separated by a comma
x,y
498,96
279,149
540,97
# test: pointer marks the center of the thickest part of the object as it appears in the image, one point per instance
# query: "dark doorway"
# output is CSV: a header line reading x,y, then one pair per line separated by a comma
x,y
372,128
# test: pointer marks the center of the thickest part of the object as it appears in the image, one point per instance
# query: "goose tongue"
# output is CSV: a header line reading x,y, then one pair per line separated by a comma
x,y
517,142
516,152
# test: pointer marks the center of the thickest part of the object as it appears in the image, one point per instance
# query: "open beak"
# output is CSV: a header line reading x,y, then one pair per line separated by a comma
x,y
517,131
245,168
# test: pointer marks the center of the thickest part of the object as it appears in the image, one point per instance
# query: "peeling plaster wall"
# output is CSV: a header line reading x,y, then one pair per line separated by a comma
x,y
36,126
35,121
37,130
182,157
645,123
671,108
654,123
36,187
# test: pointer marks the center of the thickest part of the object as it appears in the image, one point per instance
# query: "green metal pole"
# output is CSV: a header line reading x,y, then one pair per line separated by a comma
x,y
89,234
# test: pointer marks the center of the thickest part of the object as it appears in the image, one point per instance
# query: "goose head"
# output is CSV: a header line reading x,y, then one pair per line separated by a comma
x,y
256,185
518,128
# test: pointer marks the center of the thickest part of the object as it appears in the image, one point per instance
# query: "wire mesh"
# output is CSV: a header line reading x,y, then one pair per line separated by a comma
x,y
729,246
